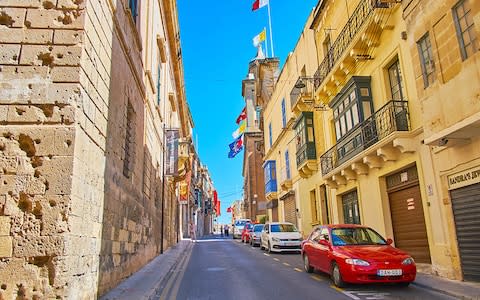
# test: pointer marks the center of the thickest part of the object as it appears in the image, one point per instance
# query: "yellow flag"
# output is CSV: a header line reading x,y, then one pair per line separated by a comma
x,y
260,37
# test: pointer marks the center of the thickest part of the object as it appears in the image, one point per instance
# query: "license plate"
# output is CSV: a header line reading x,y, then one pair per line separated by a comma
x,y
392,272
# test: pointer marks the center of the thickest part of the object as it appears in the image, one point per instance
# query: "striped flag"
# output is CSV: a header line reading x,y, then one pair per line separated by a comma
x,y
259,4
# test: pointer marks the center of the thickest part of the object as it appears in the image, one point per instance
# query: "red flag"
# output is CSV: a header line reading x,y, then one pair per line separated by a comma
x,y
217,208
229,209
242,116
259,4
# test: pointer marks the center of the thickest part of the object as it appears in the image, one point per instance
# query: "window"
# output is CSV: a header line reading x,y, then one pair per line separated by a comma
x,y
426,58
129,143
284,114
305,138
270,134
270,176
313,206
351,214
159,83
462,13
324,205
133,6
396,83
346,114
287,164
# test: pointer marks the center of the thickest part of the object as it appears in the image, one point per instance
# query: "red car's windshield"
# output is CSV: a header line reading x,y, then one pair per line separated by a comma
x,y
356,236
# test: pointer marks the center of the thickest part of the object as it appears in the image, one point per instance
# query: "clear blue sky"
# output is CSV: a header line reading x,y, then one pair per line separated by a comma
x,y
216,39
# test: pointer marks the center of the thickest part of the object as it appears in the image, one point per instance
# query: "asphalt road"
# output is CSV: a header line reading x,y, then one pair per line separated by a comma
x,y
226,269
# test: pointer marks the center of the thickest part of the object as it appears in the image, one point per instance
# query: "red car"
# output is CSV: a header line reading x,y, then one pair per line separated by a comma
x,y
356,254
246,232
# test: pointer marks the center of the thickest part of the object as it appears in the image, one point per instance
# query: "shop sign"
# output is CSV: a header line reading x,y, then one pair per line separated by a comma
x,y
464,178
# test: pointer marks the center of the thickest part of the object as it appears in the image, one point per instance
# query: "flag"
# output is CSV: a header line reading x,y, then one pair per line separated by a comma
x,y
259,4
235,147
241,129
260,37
229,209
217,208
242,116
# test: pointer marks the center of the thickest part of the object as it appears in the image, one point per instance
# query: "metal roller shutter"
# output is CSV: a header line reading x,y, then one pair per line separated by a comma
x,y
409,223
466,212
290,210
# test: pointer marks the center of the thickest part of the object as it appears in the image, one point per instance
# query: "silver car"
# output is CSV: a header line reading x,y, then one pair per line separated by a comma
x,y
256,234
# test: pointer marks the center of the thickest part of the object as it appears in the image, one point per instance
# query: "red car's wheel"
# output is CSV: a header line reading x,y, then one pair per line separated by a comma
x,y
306,264
337,276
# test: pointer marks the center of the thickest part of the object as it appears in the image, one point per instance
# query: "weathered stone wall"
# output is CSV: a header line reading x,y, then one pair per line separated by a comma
x,y
39,92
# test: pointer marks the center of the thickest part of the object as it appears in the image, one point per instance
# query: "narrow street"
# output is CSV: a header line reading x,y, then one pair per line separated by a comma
x,y
218,268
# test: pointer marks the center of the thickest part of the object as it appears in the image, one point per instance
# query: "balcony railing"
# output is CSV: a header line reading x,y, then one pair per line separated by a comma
x,y
306,152
285,174
392,117
353,26
304,87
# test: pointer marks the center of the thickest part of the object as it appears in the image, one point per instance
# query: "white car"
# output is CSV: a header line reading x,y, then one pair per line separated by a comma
x,y
281,236
238,227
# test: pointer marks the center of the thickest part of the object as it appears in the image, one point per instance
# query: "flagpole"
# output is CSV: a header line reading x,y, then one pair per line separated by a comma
x,y
266,46
270,24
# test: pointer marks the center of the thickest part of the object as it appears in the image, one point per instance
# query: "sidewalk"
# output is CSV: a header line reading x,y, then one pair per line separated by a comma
x,y
145,283
454,288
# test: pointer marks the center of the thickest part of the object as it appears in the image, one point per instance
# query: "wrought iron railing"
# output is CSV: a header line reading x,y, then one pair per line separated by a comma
x,y
306,152
392,117
285,174
353,26
303,87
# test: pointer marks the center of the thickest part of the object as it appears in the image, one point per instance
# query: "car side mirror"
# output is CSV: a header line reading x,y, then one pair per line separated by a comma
x,y
324,243
389,241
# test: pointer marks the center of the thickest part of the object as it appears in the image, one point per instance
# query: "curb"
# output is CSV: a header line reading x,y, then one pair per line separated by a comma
x,y
162,282
154,276
445,292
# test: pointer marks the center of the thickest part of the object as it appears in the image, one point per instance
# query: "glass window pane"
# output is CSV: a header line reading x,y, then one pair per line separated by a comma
x,y
337,129
310,134
355,114
367,111
343,125
349,120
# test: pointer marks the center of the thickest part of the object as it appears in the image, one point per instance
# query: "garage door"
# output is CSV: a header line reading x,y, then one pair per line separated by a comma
x,y
409,223
290,210
466,212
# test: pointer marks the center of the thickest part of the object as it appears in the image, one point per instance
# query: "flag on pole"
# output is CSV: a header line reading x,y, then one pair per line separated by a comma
x,y
240,130
229,209
259,4
235,147
260,37
242,116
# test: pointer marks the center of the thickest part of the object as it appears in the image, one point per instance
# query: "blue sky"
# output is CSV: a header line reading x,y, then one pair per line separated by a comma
x,y
216,39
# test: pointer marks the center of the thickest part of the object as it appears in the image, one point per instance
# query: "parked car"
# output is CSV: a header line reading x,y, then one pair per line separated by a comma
x,y
238,226
280,236
246,232
356,254
255,234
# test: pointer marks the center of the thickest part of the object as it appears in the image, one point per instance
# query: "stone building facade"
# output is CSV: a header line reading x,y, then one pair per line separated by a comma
x,y
256,91
88,89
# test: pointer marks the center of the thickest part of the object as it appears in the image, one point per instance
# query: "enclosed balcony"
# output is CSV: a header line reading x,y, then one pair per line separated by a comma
x,y
306,155
270,173
355,44
373,141
302,95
